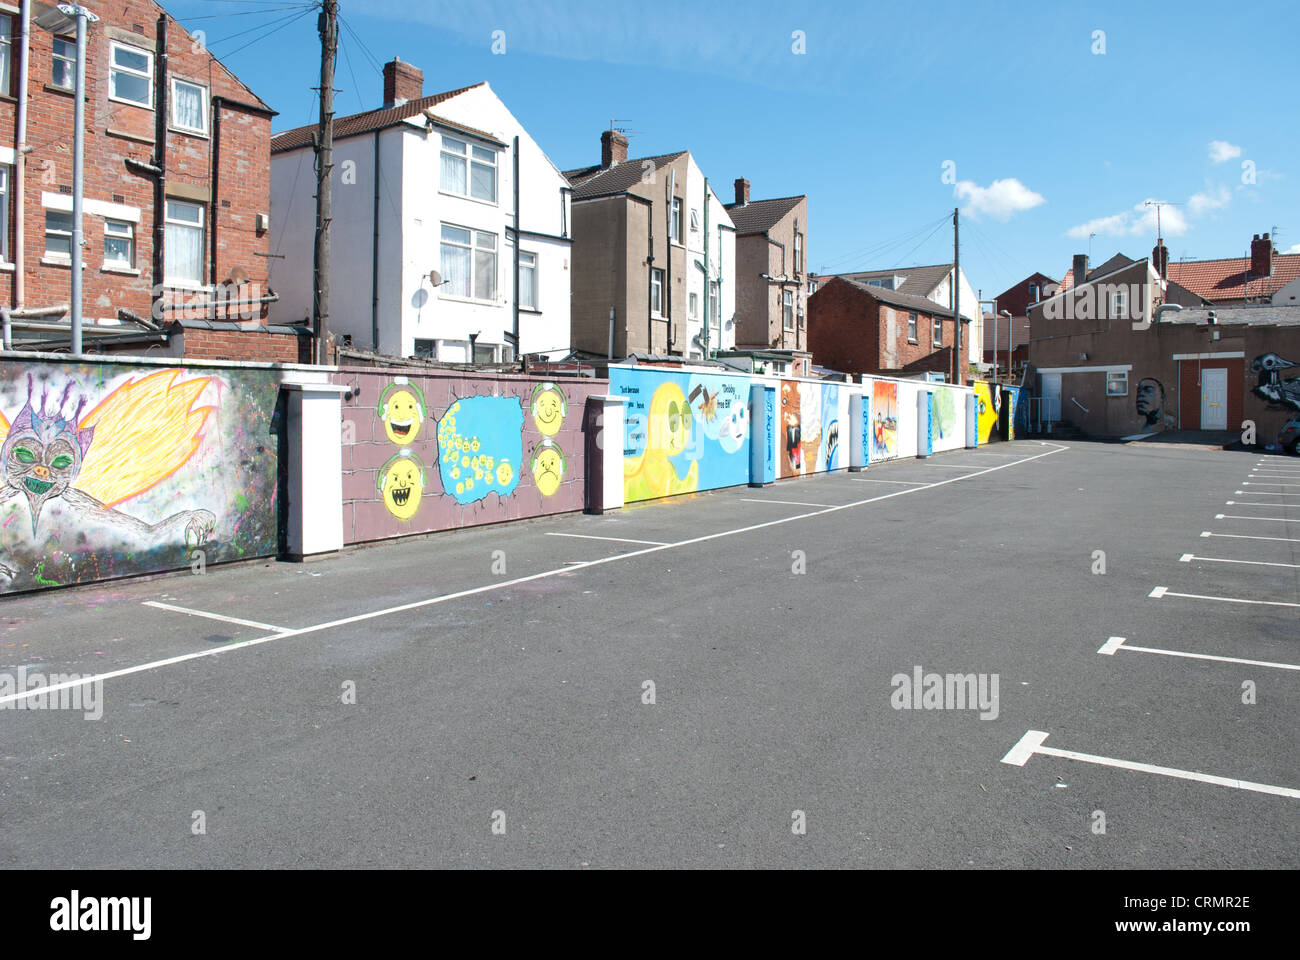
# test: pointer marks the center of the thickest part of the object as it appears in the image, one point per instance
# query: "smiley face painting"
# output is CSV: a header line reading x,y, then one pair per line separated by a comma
x,y
548,467
480,441
402,409
401,482
548,409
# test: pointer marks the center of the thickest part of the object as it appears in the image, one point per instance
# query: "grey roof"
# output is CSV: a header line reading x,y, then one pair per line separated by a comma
x,y
758,216
598,181
1263,314
920,280
1114,263
894,298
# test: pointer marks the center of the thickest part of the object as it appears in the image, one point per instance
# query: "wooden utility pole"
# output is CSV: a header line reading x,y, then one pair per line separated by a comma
x,y
328,27
956,298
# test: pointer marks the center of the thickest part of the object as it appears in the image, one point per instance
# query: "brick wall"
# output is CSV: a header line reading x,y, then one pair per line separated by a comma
x,y
246,345
116,131
850,331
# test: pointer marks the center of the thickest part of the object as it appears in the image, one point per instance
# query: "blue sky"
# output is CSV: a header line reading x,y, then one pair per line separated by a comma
x,y
889,118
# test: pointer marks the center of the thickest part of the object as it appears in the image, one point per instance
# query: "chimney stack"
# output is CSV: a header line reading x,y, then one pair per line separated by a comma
x,y
402,82
1160,258
1080,268
1261,256
613,149
742,191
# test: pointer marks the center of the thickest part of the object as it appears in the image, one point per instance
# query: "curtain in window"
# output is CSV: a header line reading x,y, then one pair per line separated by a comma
x,y
184,253
453,174
187,107
6,49
527,285
455,269
485,274
483,182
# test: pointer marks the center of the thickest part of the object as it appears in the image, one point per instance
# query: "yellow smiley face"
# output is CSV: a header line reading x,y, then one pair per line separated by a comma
x,y
403,486
548,412
402,417
548,470
505,473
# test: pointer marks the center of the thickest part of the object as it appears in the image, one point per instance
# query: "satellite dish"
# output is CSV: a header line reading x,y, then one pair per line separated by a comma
x,y
435,278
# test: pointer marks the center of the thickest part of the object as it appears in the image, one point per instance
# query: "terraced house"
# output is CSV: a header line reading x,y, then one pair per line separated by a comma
x,y
176,196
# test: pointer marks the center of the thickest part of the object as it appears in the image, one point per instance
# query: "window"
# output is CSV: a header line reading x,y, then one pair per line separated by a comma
x,y
58,235
63,64
183,243
656,292
911,328
426,349
675,224
119,243
787,309
1118,305
528,280
801,320
798,253
189,106
468,170
469,262
938,331
695,220
715,311
1117,383
4,214
485,354
130,79
6,53
693,306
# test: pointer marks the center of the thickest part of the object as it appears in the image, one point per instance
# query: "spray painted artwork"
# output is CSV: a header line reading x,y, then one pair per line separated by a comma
x,y
1274,390
480,447
884,414
112,471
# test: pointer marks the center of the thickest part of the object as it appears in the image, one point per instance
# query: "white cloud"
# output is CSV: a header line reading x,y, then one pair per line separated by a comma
x,y
1001,199
1294,248
1213,198
1140,220
1221,151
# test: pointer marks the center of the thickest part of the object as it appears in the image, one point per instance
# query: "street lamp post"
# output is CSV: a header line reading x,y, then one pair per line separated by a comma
x,y
57,20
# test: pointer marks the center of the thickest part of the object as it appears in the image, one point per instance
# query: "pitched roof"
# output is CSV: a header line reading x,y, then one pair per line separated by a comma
x,y
1231,279
372,120
598,181
760,215
905,300
1110,266
919,281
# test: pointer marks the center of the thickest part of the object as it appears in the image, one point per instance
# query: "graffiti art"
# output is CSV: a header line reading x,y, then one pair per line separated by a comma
x,y
547,466
1150,395
480,446
548,409
884,412
657,439
1271,387
403,411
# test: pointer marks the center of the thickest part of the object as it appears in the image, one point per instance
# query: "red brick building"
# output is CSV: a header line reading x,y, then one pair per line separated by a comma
x,y
856,328
177,176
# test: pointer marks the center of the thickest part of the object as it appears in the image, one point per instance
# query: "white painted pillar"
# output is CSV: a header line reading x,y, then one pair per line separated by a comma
x,y
606,417
924,429
859,431
315,443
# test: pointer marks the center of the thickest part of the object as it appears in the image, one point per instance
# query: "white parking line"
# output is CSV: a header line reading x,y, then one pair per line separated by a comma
x,y
910,483
951,466
1233,516
1248,483
214,616
1263,493
1032,743
505,584
1277,476
587,536
1118,643
1255,503
793,503
1242,536
1189,557
1159,592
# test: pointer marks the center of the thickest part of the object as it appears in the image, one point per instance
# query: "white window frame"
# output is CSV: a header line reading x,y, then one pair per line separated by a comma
x,y
656,292
58,255
468,158
675,221
798,252
787,308
695,220
913,327
693,306
173,122
113,67
129,236
715,310
7,42
1114,379
69,58
936,331
202,226
537,297
475,248
4,214
1118,304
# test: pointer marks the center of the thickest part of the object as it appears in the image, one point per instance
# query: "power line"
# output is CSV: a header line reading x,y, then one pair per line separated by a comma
x,y
881,248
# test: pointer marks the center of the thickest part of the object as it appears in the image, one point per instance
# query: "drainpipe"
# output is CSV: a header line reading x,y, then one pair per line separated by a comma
x,y
708,279
215,196
516,294
1162,308
20,165
665,294
649,299
160,162
374,254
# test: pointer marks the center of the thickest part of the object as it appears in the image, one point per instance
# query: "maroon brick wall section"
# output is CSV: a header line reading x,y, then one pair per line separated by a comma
x,y
116,131
367,448
848,331
245,345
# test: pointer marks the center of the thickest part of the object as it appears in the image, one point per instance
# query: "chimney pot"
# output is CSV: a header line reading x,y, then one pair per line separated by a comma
x,y
1080,268
1160,259
613,149
742,191
1261,256
402,82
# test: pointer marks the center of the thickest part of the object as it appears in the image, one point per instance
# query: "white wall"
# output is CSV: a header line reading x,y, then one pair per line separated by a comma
x,y
972,333
722,261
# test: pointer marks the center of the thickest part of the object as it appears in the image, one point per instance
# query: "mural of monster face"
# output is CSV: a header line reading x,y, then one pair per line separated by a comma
x,y
1271,387
43,452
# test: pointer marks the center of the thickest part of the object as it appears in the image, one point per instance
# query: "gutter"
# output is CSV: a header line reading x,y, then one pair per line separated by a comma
x,y
8,315
20,164
160,164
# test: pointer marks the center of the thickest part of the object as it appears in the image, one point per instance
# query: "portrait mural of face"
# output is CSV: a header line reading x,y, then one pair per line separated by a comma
x,y
403,411
1150,400
401,482
548,409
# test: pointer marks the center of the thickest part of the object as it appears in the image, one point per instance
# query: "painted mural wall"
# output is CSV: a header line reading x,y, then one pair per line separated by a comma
x,y
425,452
115,469
689,430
